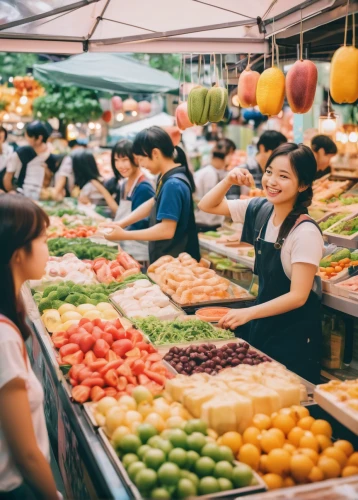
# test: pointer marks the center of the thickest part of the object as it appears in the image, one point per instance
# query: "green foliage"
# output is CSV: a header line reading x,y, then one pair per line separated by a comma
x,y
68,104
163,62
16,64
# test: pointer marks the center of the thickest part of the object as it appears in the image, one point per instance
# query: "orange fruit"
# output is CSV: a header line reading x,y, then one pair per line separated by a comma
x,y
329,467
315,475
289,447
350,470
252,435
231,439
283,422
295,435
345,446
353,459
250,455
261,421
308,440
323,441
290,412
263,463
301,411
271,440
312,454
321,427
306,423
278,461
301,467
273,481
278,433
337,454
288,482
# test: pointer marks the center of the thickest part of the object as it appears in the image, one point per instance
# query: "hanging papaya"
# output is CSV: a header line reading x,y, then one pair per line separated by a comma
x,y
301,82
198,106
270,91
246,89
182,118
344,75
218,98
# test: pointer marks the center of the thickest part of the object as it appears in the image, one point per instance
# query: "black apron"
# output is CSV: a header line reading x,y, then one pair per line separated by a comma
x,y
292,338
188,242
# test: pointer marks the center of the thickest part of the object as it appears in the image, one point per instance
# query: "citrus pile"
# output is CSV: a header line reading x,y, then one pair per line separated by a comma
x,y
179,463
291,447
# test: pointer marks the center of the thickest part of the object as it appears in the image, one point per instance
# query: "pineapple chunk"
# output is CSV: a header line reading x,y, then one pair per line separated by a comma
x,y
264,399
51,319
289,393
194,398
66,307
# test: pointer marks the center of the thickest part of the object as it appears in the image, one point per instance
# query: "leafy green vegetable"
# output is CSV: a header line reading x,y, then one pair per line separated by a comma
x,y
346,228
82,248
176,332
330,221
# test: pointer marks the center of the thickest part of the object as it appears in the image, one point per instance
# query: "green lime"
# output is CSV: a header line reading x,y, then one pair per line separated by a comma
x,y
134,468
160,494
195,425
211,450
128,459
129,443
165,446
196,441
154,441
166,433
225,484
226,454
242,475
178,438
142,450
169,474
186,489
208,485
223,469
194,479
185,474
146,431
178,456
191,459
204,466
154,458
145,480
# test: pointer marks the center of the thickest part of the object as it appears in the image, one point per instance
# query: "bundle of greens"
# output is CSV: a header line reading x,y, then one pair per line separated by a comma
x,y
346,228
82,248
330,221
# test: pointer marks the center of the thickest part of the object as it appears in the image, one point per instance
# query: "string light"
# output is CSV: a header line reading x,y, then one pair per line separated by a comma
x,y
91,125
11,79
23,99
353,137
134,113
19,109
6,116
120,117
20,125
98,126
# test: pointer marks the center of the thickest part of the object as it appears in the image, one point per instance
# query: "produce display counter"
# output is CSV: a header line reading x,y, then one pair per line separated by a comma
x,y
231,253
341,304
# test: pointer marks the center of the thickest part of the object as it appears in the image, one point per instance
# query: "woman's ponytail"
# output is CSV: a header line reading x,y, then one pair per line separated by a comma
x,y
180,157
303,201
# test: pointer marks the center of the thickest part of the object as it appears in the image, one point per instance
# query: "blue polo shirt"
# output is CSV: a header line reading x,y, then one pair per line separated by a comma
x,y
174,204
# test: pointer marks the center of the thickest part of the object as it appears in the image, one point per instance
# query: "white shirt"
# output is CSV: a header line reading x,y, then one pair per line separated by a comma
x,y
92,193
12,365
66,170
7,150
35,173
304,244
205,179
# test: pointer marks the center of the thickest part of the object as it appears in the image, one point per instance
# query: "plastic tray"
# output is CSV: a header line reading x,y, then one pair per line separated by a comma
x,y
339,239
133,490
338,410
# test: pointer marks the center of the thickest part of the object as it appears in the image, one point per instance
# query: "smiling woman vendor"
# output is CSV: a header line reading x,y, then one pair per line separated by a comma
x,y
172,227
285,321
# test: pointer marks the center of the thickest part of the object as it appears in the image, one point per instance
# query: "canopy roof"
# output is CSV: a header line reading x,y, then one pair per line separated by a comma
x,y
118,73
131,130
186,26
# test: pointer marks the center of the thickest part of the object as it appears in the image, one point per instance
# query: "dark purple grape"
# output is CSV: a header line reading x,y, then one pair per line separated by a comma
x,y
223,363
248,361
184,359
235,362
229,360
232,345
246,345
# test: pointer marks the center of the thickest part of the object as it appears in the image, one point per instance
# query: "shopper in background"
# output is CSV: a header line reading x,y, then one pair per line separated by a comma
x,y
64,178
323,149
5,148
285,322
25,472
133,189
208,177
172,227
26,167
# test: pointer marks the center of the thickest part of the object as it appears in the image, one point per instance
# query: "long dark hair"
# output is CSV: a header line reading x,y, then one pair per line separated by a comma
x,y
304,165
122,149
157,138
84,168
21,222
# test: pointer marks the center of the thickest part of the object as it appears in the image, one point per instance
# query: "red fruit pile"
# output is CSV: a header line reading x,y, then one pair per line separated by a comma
x,y
115,270
108,360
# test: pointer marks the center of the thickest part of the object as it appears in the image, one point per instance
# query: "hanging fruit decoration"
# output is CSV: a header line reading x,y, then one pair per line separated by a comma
x,y
246,89
270,92
130,105
181,116
344,71
301,82
198,107
107,116
218,98
144,107
117,103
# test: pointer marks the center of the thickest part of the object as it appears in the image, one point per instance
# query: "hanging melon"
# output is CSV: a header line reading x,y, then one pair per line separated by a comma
x,y
198,105
344,75
270,91
218,98
301,82
246,89
182,118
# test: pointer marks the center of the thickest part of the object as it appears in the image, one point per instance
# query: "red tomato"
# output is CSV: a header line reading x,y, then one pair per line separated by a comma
x,y
83,321
143,379
119,334
81,393
133,353
75,338
124,370
98,364
107,337
73,382
154,357
110,391
73,359
83,374
93,381
86,342
111,378
117,323
122,383
109,328
155,377
116,272
120,347
69,349
74,371
132,380
96,333
111,365
143,346
59,339
89,358
73,329
100,348
97,393
98,322
138,366
111,356
88,327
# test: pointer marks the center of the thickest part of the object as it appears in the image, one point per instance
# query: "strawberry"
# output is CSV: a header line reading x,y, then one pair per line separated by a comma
x,y
100,348
81,393
98,364
69,349
110,391
93,381
83,321
86,342
89,358
111,378
88,327
74,358
107,337
97,393
122,383
73,373
111,356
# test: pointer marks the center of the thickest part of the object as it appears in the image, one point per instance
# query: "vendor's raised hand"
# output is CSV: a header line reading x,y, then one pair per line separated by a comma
x,y
112,231
240,177
235,318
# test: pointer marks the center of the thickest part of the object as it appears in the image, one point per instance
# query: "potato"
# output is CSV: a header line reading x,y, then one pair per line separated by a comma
x,y
66,308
